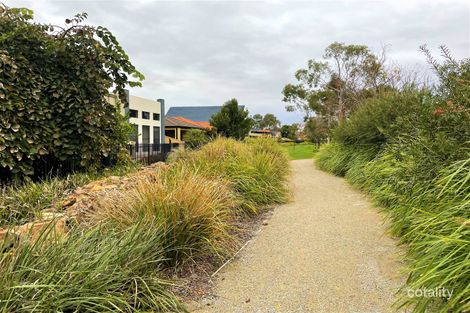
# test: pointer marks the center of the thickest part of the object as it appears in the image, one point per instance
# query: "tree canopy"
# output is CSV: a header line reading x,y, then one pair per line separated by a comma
x,y
334,87
232,120
268,121
290,131
53,91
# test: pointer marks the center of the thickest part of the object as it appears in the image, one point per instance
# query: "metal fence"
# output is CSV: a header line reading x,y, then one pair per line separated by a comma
x,y
49,167
151,153
45,168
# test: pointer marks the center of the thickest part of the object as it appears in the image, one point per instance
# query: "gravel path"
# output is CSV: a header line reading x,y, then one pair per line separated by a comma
x,y
326,251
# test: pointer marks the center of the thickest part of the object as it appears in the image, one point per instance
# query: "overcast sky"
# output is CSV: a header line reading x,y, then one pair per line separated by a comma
x,y
206,52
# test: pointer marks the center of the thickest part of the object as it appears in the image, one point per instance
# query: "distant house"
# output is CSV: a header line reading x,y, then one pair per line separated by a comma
x,y
177,126
146,117
256,133
180,119
196,113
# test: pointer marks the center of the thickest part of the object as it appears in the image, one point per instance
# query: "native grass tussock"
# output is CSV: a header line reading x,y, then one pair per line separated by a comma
x,y
113,258
256,170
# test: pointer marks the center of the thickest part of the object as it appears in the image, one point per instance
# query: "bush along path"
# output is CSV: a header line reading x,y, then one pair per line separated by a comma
x,y
326,251
410,150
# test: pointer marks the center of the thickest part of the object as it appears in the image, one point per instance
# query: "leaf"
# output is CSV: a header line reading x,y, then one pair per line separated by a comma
x,y
42,151
15,127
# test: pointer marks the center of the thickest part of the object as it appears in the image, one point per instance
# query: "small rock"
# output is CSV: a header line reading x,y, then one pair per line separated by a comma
x,y
96,188
67,202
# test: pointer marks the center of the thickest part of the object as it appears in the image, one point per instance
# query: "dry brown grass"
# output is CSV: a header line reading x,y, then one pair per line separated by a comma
x,y
193,211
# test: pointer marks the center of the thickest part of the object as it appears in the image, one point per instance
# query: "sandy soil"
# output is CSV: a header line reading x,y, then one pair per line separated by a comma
x,y
326,251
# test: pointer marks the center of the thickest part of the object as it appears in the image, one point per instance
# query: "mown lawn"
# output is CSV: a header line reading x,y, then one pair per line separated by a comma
x,y
298,151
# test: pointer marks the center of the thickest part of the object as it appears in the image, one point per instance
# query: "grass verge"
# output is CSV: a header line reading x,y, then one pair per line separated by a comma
x,y
300,151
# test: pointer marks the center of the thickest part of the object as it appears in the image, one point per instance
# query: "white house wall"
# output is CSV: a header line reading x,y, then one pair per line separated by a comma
x,y
144,105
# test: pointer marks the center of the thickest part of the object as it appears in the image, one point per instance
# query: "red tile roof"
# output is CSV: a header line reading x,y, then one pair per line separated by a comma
x,y
179,121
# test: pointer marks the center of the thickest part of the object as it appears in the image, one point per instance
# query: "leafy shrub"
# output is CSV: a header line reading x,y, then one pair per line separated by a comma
x,y
53,89
380,119
194,138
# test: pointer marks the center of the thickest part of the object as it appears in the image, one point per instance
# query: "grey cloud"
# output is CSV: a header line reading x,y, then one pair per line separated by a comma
x,y
206,52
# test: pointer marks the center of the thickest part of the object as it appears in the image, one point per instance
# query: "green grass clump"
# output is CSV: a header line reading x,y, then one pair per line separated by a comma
x,y
439,239
97,270
300,151
256,169
338,159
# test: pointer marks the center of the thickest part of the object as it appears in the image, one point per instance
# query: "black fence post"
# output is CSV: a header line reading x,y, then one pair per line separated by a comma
x,y
151,153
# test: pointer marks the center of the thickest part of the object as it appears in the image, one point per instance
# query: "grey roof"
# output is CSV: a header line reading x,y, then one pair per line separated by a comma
x,y
196,113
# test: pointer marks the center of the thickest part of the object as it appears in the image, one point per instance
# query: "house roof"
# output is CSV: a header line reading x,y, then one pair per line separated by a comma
x,y
179,121
196,113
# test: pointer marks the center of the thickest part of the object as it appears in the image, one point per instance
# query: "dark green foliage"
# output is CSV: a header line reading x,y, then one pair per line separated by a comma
x,y
289,131
232,121
411,151
194,138
384,117
54,83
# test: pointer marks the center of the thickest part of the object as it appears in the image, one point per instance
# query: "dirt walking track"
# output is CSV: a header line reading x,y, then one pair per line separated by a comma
x,y
326,251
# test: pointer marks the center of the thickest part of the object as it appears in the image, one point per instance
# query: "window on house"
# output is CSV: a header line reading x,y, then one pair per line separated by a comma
x,y
156,135
135,137
145,137
133,113
145,115
156,116
135,133
170,133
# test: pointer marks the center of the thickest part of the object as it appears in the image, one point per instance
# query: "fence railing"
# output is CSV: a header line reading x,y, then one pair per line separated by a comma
x,y
151,153
49,167
44,168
